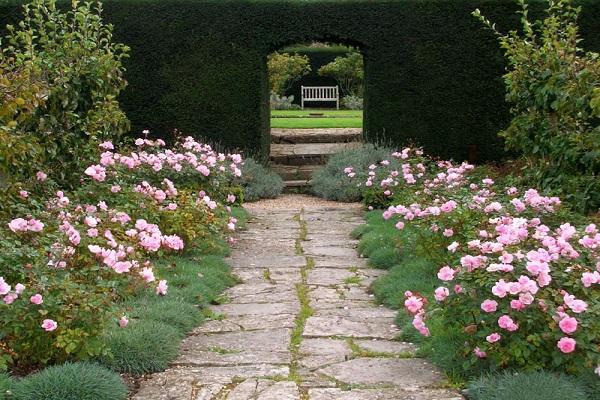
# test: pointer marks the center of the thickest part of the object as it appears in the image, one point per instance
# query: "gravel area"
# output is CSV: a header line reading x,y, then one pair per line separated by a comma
x,y
297,202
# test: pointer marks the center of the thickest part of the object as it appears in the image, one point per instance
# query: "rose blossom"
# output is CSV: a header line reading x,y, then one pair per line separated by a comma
x,y
493,338
568,325
49,325
566,344
489,306
36,299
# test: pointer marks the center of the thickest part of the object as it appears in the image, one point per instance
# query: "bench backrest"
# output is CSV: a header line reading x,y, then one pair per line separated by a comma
x,y
320,93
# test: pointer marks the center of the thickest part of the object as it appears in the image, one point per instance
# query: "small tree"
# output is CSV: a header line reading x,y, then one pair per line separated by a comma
x,y
348,71
554,89
60,75
285,69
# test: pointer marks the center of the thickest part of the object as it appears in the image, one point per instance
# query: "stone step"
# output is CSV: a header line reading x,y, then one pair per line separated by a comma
x,y
299,183
332,135
295,172
307,153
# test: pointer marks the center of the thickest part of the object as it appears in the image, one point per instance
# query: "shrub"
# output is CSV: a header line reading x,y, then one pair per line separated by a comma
x,y
259,183
539,385
280,102
332,183
71,381
352,102
141,347
348,71
285,69
73,75
554,89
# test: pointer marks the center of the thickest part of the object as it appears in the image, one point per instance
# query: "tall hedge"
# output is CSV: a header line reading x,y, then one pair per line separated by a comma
x,y
432,73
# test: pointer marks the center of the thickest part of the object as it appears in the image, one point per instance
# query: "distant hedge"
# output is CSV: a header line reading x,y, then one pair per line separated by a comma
x,y
433,73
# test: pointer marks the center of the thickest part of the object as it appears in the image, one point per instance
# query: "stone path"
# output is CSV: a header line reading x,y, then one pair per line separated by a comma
x,y
302,325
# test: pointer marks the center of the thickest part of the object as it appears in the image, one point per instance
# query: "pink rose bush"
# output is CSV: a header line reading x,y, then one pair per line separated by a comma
x,y
68,258
519,282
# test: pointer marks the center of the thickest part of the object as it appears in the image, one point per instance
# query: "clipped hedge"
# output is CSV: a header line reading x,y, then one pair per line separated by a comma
x,y
433,73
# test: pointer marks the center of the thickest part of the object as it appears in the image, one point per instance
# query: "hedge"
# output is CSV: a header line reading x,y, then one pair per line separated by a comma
x,y
432,72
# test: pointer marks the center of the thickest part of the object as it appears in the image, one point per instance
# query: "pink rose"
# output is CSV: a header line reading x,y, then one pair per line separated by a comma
x,y
49,325
441,293
123,321
493,338
413,304
568,325
489,306
36,299
446,273
162,287
566,344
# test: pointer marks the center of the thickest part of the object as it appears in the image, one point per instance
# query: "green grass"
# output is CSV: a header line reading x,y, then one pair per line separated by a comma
x,y
331,119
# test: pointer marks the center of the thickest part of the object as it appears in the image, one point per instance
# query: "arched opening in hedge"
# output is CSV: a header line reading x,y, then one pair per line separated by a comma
x,y
316,85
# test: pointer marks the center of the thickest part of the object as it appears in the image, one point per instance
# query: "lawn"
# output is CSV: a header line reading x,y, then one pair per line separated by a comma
x,y
330,119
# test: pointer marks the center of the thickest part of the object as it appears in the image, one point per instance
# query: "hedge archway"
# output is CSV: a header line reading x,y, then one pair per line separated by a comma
x,y
432,73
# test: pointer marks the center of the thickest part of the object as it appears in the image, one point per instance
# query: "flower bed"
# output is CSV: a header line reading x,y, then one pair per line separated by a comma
x,y
518,275
73,263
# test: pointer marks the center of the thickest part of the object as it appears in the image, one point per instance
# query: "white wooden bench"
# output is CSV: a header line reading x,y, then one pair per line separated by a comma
x,y
321,93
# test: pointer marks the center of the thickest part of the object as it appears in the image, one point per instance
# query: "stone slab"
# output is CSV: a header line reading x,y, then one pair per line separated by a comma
x,y
339,326
380,394
406,373
257,309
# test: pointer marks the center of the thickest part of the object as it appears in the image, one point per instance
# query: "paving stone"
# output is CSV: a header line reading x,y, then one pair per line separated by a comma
x,y
338,326
381,394
407,373
316,353
275,275
320,251
257,308
271,262
236,348
340,262
328,276
386,346
280,391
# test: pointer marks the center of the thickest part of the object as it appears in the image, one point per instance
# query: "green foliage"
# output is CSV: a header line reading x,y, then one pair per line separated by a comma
x,y
259,183
331,182
65,73
384,257
285,69
141,347
352,102
553,86
6,385
71,381
174,312
539,385
417,275
348,71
